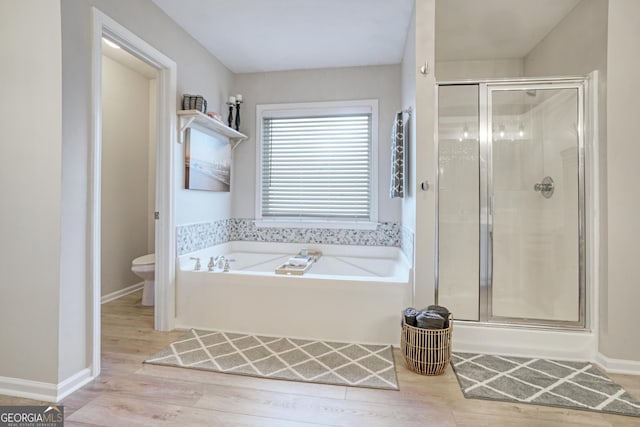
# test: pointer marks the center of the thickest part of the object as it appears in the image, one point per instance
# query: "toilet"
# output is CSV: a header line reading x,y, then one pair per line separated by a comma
x,y
145,268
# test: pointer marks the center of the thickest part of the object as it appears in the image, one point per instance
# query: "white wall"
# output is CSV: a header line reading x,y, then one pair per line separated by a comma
x,y
620,337
479,69
198,72
125,173
335,84
30,117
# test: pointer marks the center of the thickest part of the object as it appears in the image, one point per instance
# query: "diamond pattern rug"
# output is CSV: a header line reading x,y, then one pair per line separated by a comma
x,y
574,385
283,358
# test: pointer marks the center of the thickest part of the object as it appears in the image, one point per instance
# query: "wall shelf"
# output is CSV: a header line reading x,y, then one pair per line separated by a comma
x,y
188,117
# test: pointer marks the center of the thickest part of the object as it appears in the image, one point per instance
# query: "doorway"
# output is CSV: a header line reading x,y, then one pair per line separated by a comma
x,y
128,170
165,135
511,207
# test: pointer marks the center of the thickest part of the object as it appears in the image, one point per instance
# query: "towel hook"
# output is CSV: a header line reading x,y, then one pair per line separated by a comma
x,y
425,68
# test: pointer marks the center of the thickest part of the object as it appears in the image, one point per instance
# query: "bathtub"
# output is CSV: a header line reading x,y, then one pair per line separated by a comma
x,y
351,294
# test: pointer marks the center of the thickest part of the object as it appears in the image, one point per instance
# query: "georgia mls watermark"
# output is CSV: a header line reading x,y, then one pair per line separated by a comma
x,y
31,416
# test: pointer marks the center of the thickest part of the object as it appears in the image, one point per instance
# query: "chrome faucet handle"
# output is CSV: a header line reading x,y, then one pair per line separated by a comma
x,y
211,264
545,187
220,261
198,265
226,266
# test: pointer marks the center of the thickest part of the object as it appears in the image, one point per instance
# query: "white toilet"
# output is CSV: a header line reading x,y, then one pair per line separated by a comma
x,y
145,268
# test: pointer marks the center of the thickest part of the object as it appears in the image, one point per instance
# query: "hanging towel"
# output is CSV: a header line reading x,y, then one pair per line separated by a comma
x,y
397,157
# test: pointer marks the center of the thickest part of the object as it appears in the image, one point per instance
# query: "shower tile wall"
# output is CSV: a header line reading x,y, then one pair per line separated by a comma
x,y
193,237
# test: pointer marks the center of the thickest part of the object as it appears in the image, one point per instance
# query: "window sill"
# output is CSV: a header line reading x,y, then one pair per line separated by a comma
x,y
350,225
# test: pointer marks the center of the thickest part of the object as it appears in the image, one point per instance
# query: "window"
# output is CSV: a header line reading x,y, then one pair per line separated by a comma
x,y
316,162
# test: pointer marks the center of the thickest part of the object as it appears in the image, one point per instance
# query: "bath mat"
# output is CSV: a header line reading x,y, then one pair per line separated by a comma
x,y
574,385
291,359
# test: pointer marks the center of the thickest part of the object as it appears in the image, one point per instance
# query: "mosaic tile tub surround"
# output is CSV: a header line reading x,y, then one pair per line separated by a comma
x,y
193,237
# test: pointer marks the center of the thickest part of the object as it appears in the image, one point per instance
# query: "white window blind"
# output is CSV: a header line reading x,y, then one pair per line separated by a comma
x,y
317,167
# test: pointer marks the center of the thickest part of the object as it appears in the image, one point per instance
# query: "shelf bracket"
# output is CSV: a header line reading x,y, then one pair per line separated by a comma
x,y
235,144
184,127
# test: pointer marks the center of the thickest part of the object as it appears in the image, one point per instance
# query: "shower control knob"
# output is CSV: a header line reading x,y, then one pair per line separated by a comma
x,y
545,187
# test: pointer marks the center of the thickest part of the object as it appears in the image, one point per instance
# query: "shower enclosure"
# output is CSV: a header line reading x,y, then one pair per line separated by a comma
x,y
511,238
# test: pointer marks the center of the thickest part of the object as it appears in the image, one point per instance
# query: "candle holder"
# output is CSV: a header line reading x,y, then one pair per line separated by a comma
x,y
238,102
230,119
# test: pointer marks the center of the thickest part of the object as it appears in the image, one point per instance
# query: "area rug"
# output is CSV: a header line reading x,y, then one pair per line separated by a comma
x,y
574,385
291,359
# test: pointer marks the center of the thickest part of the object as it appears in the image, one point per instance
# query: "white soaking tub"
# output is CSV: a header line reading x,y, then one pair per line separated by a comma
x,y
352,293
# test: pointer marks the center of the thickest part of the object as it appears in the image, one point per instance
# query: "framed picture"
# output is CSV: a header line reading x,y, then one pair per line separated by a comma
x,y
207,162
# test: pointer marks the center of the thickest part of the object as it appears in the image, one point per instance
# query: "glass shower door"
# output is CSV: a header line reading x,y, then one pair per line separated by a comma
x,y
458,267
534,198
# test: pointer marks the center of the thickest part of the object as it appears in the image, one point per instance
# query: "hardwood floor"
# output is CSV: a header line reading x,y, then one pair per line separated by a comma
x,y
128,393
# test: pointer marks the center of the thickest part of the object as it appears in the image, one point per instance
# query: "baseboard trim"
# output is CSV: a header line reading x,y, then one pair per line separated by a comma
x,y
47,392
35,390
120,293
73,383
618,366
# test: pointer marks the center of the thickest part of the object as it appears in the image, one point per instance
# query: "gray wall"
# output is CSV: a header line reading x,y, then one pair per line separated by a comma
x,y
408,80
30,169
619,335
125,174
425,154
479,69
577,45
336,84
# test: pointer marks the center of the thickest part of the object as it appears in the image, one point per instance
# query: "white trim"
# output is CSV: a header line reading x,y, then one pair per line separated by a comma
x,y
121,292
165,172
48,392
73,383
318,108
618,366
548,343
292,223
35,390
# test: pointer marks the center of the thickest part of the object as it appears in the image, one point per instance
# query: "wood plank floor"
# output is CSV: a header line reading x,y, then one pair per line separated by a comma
x,y
128,393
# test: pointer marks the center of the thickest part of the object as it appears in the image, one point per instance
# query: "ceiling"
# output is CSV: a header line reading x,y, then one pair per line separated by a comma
x,y
258,35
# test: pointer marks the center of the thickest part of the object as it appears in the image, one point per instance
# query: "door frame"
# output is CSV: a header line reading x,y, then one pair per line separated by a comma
x,y
487,200
588,259
165,242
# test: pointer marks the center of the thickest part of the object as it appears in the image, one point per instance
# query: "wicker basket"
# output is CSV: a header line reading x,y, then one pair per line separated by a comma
x,y
426,351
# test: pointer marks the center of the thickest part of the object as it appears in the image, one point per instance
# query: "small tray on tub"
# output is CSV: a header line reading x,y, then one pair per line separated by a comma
x,y
298,268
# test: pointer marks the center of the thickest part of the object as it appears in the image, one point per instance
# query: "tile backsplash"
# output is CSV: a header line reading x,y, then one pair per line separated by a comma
x,y
193,237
